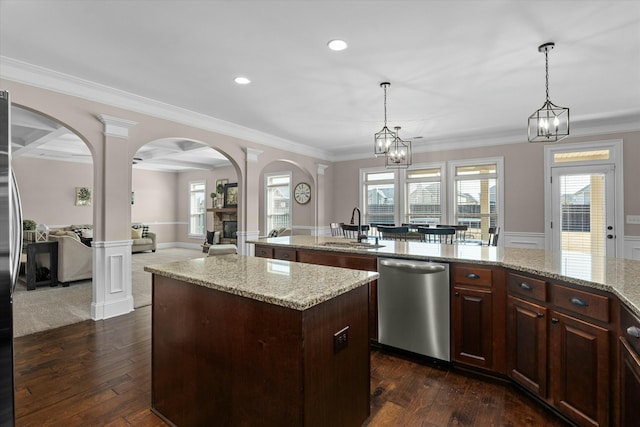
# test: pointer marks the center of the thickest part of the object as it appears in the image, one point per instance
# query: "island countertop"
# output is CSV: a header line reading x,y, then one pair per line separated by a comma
x,y
619,276
288,284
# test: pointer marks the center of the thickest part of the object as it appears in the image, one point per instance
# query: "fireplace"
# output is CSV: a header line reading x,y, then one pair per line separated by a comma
x,y
229,229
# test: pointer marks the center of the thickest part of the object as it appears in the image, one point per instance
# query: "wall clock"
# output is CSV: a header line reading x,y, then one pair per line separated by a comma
x,y
302,193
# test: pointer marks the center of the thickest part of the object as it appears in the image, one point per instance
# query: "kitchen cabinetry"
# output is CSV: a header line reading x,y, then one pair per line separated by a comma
x,y
477,316
629,369
558,347
527,333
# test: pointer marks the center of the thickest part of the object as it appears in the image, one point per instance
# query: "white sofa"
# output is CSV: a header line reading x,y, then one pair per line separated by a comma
x,y
75,259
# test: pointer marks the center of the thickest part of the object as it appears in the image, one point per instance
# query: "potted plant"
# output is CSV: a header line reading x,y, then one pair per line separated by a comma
x,y
29,230
219,195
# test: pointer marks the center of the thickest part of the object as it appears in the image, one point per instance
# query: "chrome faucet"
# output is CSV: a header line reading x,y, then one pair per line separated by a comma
x,y
361,235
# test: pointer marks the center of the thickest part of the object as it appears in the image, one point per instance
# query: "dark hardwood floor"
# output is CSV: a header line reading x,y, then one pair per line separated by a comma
x,y
98,374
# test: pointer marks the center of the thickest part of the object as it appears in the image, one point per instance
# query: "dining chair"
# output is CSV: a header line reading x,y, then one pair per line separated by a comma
x,y
351,230
336,229
461,231
388,232
437,235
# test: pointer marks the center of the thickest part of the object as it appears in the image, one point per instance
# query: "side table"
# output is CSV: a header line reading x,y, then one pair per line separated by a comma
x,y
35,252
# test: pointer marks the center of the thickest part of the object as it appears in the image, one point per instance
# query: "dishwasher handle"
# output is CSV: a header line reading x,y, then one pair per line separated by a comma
x,y
414,266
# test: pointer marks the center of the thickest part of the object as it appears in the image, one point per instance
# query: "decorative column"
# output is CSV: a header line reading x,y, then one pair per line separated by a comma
x,y
322,229
250,192
112,294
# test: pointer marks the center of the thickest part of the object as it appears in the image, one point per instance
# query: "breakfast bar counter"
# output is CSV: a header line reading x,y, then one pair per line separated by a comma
x,y
249,341
620,277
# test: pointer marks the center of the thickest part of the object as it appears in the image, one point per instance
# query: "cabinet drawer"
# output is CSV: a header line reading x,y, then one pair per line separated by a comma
x,y
527,287
630,327
264,252
472,275
286,254
581,302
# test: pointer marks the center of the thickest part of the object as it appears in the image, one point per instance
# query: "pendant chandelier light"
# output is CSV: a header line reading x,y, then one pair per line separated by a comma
x,y
383,139
550,123
399,153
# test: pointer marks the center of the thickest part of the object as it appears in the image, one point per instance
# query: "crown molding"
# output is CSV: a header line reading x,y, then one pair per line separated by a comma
x,y
44,78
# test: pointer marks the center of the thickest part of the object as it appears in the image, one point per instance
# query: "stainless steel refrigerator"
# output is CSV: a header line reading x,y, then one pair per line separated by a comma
x,y
10,250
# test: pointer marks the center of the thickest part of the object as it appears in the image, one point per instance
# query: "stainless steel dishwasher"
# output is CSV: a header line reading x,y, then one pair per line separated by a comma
x,y
413,306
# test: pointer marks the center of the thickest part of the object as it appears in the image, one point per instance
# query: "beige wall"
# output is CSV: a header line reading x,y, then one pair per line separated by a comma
x,y
524,176
302,215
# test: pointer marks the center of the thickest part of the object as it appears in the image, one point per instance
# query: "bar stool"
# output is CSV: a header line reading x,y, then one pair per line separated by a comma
x,y
351,230
336,229
393,233
437,235
461,231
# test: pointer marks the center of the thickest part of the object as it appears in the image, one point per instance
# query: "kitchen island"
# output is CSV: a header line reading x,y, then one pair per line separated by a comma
x,y
249,341
620,277
563,326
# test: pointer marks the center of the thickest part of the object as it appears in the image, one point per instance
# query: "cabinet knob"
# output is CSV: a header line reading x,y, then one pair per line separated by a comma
x,y
579,302
539,315
472,276
633,331
525,286
554,320
457,294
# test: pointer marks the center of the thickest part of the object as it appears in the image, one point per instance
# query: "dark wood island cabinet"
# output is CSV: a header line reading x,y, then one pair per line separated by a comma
x,y
563,327
248,341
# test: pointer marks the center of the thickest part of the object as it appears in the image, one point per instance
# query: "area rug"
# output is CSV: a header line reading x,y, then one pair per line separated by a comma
x,y
51,307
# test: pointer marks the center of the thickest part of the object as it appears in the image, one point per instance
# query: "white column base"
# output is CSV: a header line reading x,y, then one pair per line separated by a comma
x,y
245,248
112,289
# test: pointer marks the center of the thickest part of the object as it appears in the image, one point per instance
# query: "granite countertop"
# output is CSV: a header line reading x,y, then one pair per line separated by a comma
x,y
288,284
621,277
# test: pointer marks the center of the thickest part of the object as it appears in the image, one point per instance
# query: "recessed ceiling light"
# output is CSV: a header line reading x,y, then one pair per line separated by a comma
x,y
242,80
337,45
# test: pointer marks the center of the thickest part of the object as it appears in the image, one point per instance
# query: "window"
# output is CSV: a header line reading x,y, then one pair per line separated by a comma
x,y
379,196
278,200
423,196
477,195
197,211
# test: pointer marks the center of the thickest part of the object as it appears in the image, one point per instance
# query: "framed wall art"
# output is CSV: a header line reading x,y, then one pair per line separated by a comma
x,y
83,196
231,195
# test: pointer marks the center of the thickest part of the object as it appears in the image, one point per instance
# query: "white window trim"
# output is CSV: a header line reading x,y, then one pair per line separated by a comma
x,y
615,149
266,197
451,178
396,183
443,186
189,233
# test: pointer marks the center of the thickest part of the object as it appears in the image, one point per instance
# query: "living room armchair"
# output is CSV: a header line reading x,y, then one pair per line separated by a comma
x,y
75,259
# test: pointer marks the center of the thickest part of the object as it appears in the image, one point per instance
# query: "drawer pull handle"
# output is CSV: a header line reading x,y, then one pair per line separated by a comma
x,y
472,276
554,320
633,331
539,315
525,286
579,301
285,255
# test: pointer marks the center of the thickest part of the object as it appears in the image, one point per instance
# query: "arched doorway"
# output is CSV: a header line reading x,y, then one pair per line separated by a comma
x,y
53,165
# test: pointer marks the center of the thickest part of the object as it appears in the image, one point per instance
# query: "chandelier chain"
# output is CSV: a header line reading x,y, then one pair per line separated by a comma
x,y
385,105
546,69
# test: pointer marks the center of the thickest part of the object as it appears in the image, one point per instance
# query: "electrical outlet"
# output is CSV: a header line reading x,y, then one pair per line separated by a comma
x,y
340,339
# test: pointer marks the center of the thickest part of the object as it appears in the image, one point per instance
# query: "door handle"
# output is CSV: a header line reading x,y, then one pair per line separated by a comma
x,y
554,320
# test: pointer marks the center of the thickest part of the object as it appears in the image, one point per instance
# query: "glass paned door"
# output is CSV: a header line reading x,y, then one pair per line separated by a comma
x,y
583,210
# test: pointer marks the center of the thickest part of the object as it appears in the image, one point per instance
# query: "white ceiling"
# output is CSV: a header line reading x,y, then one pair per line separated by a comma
x,y
462,72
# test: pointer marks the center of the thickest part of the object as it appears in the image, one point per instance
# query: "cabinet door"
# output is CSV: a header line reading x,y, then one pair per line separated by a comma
x,y
579,376
629,385
472,329
527,344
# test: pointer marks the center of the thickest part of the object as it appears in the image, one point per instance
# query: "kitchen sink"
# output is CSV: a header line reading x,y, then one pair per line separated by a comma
x,y
352,244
